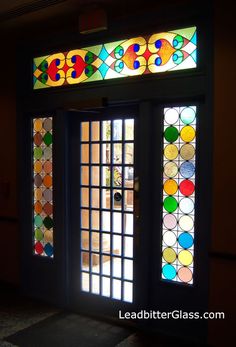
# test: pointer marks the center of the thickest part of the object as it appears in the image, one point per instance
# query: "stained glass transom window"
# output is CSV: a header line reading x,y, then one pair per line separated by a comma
x,y
166,51
178,193
43,186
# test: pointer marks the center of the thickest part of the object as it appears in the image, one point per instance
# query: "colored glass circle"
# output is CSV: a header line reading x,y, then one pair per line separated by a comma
x,y
48,249
38,139
171,116
47,194
170,169
48,222
169,238
38,248
169,255
186,223
186,205
185,257
38,221
171,134
47,181
47,138
38,207
187,151
170,204
185,274
47,167
47,153
186,187
187,133
38,124
37,180
185,240
38,152
47,124
169,221
38,194
37,167
170,187
158,61
158,44
136,64
171,152
48,236
169,272
187,169
48,209
187,115
38,234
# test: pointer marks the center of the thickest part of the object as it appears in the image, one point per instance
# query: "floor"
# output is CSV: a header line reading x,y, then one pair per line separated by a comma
x,y
18,313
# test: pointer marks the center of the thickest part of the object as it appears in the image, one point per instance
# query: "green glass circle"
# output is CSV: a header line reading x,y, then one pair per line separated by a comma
x,y
47,139
38,221
171,134
38,235
89,70
170,204
38,152
48,222
89,57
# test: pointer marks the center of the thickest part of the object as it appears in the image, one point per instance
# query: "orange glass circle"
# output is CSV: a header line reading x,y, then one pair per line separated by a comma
x,y
38,124
47,181
47,166
38,194
48,236
38,207
187,133
170,187
185,274
37,166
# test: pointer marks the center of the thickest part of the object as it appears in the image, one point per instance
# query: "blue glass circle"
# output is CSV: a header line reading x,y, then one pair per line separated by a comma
x,y
169,272
136,47
158,44
175,57
58,62
45,65
86,71
185,240
158,61
45,76
175,43
121,65
57,76
121,52
187,169
73,59
73,74
136,64
48,249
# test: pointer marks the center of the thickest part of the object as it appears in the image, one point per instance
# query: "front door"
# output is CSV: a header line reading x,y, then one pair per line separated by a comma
x,y
103,209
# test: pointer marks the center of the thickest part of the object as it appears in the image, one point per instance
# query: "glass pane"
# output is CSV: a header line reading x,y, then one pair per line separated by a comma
x,y
84,219
106,247
116,289
85,154
85,175
85,282
129,153
85,261
116,267
95,242
106,153
128,291
106,291
129,223
95,219
95,148
85,240
128,252
128,269
85,131
129,177
106,176
117,176
106,265
116,247
117,222
95,131
117,153
117,130
95,262
84,197
95,284
95,197
106,130
95,174
129,200
129,129
106,221
117,199
106,198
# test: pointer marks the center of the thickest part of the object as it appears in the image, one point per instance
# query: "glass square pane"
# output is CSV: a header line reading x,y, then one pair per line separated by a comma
x,y
84,197
95,241
85,240
95,258
95,219
116,294
106,265
129,153
129,129
85,131
117,176
128,291
84,219
85,282
95,153
129,200
117,199
106,198
128,244
85,153
106,176
106,244
117,130
95,284
95,197
106,130
117,267
106,153
129,177
117,153
117,222
128,223
116,246
95,128
85,175
106,291
95,175
85,261
106,221
128,269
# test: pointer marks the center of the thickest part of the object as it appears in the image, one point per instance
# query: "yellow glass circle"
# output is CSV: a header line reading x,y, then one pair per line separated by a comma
x,y
170,169
187,151
38,124
171,152
169,255
187,134
170,187
185,257
37,166
38,194
48,236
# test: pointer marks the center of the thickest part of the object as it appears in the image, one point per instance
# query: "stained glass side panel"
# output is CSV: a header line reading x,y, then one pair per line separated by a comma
x,y
166,51
179,139
43,187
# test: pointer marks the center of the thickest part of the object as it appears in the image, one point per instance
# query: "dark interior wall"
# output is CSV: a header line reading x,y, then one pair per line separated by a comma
x,y
9,255
223,245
